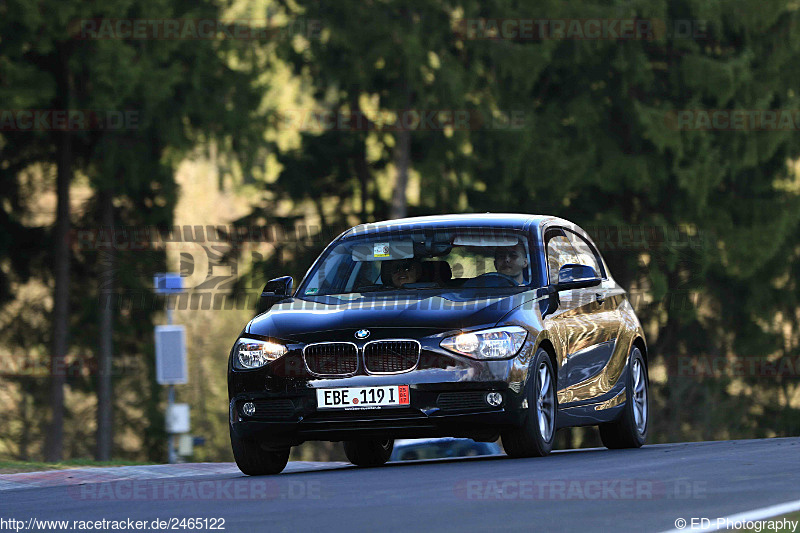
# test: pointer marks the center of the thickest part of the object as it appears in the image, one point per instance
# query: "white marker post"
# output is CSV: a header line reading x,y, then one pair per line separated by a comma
x,y
171,361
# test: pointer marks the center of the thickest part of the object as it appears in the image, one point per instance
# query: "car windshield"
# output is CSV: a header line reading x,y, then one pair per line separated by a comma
x,y
420,260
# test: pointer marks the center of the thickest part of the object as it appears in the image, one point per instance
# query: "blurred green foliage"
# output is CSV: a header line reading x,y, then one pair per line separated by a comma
x,y
585,129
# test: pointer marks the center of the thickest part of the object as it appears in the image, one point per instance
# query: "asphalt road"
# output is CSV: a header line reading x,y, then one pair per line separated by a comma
x,y
580,490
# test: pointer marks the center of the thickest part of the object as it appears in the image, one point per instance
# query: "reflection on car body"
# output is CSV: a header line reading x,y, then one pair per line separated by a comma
x,y
482,326
441,448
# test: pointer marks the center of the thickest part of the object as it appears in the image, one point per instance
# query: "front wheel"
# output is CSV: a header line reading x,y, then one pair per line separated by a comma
x,y
535,437
630,431
368,452
253,460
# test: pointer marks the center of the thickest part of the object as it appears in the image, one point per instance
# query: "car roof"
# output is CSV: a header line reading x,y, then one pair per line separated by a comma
x,y
516,221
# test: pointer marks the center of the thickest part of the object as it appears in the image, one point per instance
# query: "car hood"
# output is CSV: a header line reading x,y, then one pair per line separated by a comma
x,y
303,319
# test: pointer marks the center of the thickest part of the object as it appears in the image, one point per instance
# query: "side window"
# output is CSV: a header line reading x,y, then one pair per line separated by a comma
x,y
330,276
586,254
559,253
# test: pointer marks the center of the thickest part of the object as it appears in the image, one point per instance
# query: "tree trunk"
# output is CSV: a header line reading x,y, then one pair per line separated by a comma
x,y
362,171
55,439
107,258
360,156
402,158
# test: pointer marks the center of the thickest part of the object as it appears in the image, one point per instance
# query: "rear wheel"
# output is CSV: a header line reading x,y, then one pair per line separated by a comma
x,y
535,437
630,431
368,452
253,460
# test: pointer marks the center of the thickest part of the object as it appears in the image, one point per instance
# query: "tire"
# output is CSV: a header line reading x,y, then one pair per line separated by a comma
x,y
253,460
630,430
535,437
370,452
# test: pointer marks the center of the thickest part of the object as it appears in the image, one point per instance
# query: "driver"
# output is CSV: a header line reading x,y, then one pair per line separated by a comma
x,y
511,261
400,272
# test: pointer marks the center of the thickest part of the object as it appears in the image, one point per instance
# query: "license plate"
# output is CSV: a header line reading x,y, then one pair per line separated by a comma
x,y
352,398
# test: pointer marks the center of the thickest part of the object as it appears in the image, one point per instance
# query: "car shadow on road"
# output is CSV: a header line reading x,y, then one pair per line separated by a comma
x,y
320,468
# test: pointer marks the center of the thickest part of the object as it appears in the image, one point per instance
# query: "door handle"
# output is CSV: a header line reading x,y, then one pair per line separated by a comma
x,y
600,297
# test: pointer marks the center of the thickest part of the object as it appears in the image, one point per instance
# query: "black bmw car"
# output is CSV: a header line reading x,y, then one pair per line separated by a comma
x,y
477,326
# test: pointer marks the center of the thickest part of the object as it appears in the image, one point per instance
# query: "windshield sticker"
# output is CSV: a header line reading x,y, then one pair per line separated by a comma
x,y
312,290
381,249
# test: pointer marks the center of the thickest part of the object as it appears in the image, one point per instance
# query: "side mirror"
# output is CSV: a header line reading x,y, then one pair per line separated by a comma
x,y
275,290
572,276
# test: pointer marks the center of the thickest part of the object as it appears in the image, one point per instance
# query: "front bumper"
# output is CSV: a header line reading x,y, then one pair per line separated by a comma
x,y
433,412
447,398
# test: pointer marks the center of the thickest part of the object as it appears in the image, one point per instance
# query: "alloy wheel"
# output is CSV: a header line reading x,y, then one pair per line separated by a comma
x,y
545,402
639,396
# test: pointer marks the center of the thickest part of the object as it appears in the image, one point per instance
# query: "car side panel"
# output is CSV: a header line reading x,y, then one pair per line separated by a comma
x,y
608,382
593,358
587,324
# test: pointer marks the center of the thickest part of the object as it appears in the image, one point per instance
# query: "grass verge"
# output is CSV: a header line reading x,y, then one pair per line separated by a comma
x,y
16,467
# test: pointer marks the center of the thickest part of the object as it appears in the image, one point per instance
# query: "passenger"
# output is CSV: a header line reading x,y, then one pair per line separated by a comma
x,y
511,260
400,272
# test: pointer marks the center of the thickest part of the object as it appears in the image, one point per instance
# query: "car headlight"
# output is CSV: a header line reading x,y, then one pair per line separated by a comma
x,y
495,343
251,353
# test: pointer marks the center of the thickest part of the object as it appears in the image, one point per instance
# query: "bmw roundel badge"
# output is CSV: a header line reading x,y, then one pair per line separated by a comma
x,y
362,334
